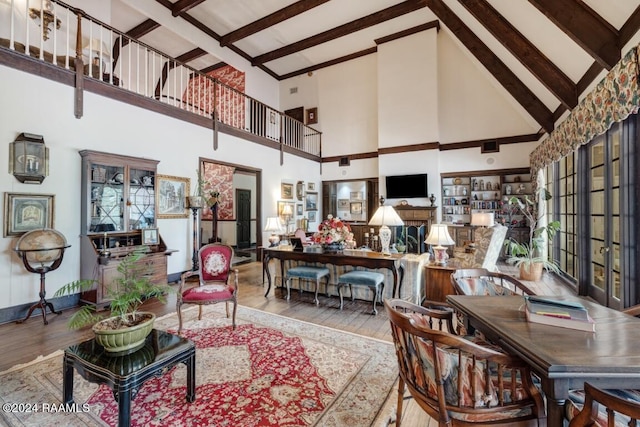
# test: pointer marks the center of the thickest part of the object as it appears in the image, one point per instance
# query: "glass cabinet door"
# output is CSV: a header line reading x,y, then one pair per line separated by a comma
x,y
141,201
107,198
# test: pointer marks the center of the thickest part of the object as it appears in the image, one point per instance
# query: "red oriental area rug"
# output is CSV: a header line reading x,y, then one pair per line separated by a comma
x,y
270,371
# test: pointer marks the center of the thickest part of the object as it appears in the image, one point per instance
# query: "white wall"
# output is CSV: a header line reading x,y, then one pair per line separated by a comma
x,y
36,105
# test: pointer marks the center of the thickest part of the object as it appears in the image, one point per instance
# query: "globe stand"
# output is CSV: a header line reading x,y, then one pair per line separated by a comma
x,y
42,271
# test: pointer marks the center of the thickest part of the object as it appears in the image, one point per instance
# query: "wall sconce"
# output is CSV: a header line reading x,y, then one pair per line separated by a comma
x,y
29,158
46,15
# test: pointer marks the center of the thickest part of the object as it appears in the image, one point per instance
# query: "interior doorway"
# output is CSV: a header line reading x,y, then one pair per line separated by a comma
x,y
243,218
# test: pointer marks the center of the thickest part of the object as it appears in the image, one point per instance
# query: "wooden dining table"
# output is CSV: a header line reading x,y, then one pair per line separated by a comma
x,y
563,358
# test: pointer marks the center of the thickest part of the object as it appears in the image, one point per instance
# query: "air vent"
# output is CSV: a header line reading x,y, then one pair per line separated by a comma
x,y
344,161
293,90
490,147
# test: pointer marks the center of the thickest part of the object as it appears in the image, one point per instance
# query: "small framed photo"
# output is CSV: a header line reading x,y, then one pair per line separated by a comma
x,y
356,195
311,202
150,236
312,216
171,196
26,212
286,191
312,115
343,204
356,208
311,186
299,210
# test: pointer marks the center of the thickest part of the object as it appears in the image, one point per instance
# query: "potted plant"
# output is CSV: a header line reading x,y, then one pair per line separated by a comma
x,y
127,328
405,240
197,200
529,256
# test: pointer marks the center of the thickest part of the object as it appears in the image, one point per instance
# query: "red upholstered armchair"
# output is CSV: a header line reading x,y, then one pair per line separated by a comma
x,y
218,282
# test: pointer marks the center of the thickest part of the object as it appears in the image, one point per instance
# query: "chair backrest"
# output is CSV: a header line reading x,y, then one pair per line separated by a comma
x,y
489,243
480,281
215,262
300,233
608,407
452,378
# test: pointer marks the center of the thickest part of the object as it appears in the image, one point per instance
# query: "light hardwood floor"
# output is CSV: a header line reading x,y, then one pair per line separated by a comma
x,y
22,343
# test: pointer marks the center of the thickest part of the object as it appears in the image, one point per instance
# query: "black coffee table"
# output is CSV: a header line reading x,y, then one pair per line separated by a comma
x,y
125,374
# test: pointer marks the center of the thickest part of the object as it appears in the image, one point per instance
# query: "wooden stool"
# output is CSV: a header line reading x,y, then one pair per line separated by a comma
x,y
308,273
371,279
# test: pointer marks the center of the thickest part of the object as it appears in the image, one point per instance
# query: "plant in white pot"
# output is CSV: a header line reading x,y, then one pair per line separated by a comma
x,y
127,328
529,256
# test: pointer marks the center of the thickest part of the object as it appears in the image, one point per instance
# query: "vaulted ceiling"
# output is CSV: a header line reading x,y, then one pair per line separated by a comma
x,y
545,53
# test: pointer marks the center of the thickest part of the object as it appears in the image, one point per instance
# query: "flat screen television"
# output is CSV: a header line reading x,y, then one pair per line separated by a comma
x,y
407,186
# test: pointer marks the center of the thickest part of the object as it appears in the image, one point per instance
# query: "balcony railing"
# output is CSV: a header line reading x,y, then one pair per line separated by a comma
x,y
66,37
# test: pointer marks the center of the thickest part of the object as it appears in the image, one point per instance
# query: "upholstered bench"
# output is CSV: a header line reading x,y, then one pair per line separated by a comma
x,y
371,279
305,272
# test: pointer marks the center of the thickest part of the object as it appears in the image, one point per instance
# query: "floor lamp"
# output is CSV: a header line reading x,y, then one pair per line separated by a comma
x,y
438,236
384,217
195,265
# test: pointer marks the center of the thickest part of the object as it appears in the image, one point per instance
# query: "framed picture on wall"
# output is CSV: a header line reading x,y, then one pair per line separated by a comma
x,y
150,236
356,208
311,202
286,191
299,210
312,216
311,186
171,196
343,204
26,212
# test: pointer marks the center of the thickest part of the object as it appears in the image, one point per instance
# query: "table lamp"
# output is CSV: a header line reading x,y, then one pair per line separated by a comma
x,y
385,216
482,219
438,236
287,214
273,226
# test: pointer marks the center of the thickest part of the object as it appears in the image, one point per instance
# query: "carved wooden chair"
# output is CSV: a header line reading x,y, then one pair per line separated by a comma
x,y
488,246
455,381
217,282
604,407
480,281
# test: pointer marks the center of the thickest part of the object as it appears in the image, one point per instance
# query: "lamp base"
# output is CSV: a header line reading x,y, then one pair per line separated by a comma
x,y
440,255
274,239
385,239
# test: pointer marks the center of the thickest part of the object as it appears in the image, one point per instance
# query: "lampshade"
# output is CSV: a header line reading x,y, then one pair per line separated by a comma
x,y
386,215
287,210
273,224
439,235
482,219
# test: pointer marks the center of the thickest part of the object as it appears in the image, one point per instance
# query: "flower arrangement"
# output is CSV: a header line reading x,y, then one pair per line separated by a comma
x,y
333,230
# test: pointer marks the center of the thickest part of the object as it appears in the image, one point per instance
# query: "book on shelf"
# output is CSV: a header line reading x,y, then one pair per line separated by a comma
x,y
564,314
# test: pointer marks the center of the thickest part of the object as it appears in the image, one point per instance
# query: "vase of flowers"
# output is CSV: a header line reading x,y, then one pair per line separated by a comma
x,y
334,235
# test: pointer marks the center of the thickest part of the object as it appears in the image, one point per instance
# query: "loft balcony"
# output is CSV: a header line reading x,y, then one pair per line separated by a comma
x,y
63,43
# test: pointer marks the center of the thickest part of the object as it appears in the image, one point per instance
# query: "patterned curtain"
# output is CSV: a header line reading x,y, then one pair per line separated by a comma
x,y
219,178
612,100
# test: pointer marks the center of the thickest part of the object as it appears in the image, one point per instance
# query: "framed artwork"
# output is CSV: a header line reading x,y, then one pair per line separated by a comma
x,y
312,115
150,236
311,202
356,208
299,210
312,216
26,212
311,186
300,190
171,196
285,209
286,191
356,195
343,204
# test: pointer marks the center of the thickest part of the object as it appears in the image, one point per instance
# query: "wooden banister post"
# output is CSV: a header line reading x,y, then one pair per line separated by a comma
x,y
79,65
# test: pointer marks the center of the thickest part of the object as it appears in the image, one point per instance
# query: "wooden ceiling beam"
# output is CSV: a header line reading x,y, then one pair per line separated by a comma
x,y
182,6
535,61
135,33
191,55
494,65
585,27
276,17
342,30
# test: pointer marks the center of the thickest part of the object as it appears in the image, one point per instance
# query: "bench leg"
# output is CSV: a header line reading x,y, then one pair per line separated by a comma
x,y
377,293
316,294
340,293
288,288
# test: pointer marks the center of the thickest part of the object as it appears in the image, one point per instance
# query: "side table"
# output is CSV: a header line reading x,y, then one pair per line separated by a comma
x,y
125,374
437,281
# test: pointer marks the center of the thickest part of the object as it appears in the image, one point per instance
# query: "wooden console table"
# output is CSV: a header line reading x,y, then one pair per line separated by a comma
x,y
437,281
353,258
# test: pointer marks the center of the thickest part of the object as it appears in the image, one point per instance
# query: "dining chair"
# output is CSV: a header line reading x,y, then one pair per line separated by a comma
x,y
217,282
480,281
456,381
594,406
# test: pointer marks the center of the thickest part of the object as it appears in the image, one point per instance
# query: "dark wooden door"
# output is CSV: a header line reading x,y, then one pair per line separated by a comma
x,y
243,219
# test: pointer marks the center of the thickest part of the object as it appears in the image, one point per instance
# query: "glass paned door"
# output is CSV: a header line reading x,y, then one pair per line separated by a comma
x,y
604,218
141,199
107,203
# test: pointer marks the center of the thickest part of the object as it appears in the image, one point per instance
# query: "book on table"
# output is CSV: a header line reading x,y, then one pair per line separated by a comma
x,y
565,314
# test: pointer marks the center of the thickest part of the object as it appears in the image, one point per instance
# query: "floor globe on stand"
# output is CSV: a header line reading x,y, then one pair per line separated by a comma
x,y
41,251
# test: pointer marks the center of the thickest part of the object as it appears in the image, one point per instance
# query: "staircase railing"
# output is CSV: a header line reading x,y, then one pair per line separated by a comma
x,y
67,37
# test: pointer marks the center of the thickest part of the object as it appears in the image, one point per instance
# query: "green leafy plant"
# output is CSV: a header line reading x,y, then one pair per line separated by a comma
x,y
128,291
532,251
406,240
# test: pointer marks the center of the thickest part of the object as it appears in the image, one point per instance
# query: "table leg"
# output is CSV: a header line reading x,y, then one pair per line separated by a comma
x,y
555,412
265,269
124,408
191,377
67,382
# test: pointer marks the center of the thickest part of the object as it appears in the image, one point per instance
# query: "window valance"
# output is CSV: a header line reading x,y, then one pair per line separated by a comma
x,y
612,100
